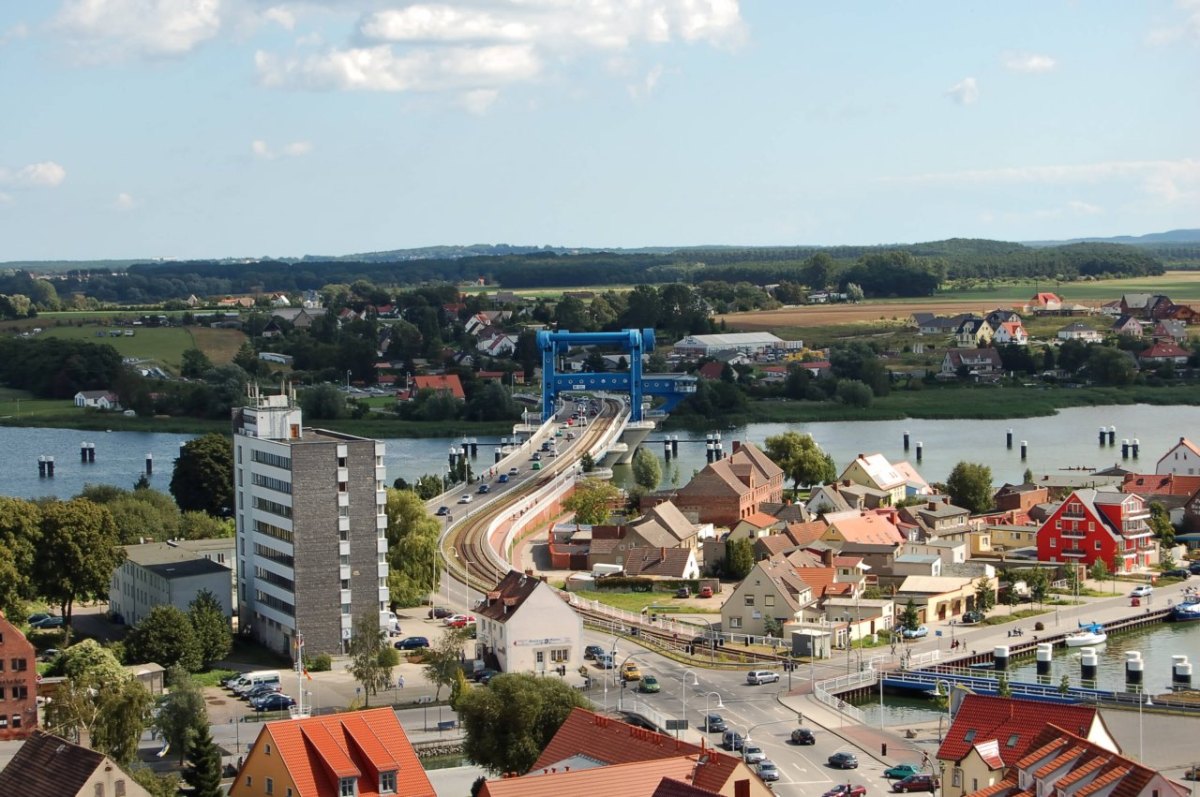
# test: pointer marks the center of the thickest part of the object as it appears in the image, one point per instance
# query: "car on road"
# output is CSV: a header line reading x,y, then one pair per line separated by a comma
x,y
1178,572
971,618
442,511
756,677
649,684
803,736
276,701
412,643
901,771
918,782
752,754
441,612
484,489
502,478
537,466
570,435
714,723
466,498
1140,591
846,790
767,771
605,661
537,456
843,760
592,651
513,471
459,620
706,592
49,654
915,633
484,675
630,672
732,740
53,621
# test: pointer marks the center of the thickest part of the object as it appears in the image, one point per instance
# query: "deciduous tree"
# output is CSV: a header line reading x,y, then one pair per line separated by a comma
x,y
444,659
646,470
413,556
985,595
165,636
182,714
592,501
203,476
739,559
970,486
801,459
20,530
371,658
211,626
78,553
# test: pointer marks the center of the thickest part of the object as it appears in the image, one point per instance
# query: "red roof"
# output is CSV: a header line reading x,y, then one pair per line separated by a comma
x,y
635,779
1013,723
440,383
711,370
760,520
1154,484
1160,350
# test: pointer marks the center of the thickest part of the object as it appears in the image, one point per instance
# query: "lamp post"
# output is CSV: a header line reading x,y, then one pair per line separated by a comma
x,y
708,705
348,372
683,692
621,674
752,729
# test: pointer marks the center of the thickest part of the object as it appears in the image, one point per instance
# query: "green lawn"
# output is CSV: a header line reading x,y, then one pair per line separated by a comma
x,y
636,601
162,345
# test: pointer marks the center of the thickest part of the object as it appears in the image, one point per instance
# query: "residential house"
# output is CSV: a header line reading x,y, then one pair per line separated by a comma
x,y
989,734
18,684
937,519
49,766
1128,325
1105,526
1044,303
1171,330
661,526
1182,312
1020,497
804,534
939,597
97,399
441,383
1163,354
160,573
663,777
730,489
917,564
665,563
772,546
1182,459
358,753
773,589
874,470
915,483
1005,534
973,333
787,511
712,370
588,741
828,498
938,325
951,552
1001,316
759,524
528,627
1191,514
862,528
1060,762
496,344
1010,332
1171,489
1146,305
977,362
1077,330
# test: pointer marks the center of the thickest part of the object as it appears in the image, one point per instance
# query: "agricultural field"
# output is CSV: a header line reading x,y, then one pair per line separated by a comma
x,y
161,345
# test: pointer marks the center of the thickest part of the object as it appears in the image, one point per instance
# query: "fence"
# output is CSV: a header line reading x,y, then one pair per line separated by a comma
x,y
826,692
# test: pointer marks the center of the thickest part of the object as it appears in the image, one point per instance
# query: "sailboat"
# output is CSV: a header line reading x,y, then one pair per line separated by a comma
x,y
1089,634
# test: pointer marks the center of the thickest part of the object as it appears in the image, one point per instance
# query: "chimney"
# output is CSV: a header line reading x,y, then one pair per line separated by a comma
x,y
542,578
741,788
827,557
737,444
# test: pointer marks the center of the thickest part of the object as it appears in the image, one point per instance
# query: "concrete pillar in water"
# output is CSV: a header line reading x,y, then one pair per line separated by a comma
x,y
667,450
1125,448
1045,652
1088,663
675,445
42,465
1133,670
149,463
1181,672
710,450
1103,434
1135,447
83,453
920,450
474,447
1024,449
1008,439
50,467
499,454
1112,435
91,452
905,439
1000,658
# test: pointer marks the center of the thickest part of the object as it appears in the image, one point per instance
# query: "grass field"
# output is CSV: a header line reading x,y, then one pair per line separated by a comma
x,y
161,345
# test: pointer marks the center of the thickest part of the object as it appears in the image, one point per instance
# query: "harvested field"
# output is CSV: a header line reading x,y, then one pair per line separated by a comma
x,y
826,315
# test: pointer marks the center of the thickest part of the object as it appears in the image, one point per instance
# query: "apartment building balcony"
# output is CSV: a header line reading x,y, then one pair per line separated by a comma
x,y
1075,552
1136,514
1073,534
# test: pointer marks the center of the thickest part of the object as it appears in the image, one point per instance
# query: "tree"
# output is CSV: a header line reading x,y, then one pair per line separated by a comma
x,y
985,596
1039,585
20,530
1027,476
194,364
79,552
323,402
801,459
201,526
1160,524
211,626
508,724
444,659
99,696
1003,689
970,486
646,471
1099,570
854,292
204,766
203,476
739,559
459,688
182,713
592,501
157,785
854,393
165,636
413,556
910,619
371,657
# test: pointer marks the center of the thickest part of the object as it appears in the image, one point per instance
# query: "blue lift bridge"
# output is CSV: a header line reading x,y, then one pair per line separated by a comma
x,y
633,343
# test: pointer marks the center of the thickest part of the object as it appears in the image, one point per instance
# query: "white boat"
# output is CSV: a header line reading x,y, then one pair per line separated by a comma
x,y
1186,611
1090,634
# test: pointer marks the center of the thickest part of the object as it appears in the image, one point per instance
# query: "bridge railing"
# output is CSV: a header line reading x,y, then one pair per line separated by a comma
x,y
827,692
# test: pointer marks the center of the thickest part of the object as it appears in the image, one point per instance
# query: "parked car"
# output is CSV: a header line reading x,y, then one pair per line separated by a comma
x,y
1140,591
752,754
49,654
714,723
484,675
630,672
37,617
412,643
846,790
1178,572
53,621
1194,568
683,592
732,740
459,620
706,592
915,633
755,677
466,498
605,661
803,736
767,771
918,782
484,489
901,771
276,701
440,612
262,690
843,760
592,651
971,618
649,684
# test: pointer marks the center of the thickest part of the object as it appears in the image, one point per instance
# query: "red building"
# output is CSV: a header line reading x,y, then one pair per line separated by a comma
x,y
1094,525
731,489
18,683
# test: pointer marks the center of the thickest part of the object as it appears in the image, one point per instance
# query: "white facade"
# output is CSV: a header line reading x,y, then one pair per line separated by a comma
x,y
540,635
746,342
1182,460
156,574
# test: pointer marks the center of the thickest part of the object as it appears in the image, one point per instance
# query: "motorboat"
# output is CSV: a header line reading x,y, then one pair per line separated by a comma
x,y
1089,634
1188,610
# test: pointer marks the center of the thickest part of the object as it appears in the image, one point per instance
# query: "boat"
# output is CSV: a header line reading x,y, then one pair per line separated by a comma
x,y
1188,610
1090,634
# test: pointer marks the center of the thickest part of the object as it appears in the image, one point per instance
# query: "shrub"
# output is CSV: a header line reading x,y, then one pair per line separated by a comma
x,y
322,662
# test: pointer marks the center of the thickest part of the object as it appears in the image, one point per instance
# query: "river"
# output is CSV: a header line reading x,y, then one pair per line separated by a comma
x,y
1065,440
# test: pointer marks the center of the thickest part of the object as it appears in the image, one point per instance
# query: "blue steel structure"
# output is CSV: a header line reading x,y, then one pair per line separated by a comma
x,y
635,342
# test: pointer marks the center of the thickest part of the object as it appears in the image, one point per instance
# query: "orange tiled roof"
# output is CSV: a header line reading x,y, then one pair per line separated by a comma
x,y
805,533
440,383
760,520
634,779
1002,718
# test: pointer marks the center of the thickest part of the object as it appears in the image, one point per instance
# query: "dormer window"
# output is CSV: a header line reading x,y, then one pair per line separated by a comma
x,y
348,787
387,782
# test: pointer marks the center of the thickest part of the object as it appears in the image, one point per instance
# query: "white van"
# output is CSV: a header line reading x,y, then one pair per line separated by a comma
x,y
257,678
390,623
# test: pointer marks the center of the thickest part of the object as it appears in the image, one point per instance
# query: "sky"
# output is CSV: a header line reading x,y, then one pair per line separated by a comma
x,y
251,128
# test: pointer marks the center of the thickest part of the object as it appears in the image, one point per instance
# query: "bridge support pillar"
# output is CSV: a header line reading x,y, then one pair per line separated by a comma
x,y
1000,657
1089,662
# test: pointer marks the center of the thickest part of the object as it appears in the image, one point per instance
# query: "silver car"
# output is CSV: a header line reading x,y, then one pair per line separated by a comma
x,y
767,770
753,754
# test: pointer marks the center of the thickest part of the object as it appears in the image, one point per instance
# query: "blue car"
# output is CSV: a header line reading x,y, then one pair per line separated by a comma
x,y
502,478
276,701
53,621
916,633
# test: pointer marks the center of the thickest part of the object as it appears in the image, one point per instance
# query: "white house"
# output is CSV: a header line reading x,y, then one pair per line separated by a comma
x,y
528,627
97,399
1011,332
1080,331
1183,459
157,573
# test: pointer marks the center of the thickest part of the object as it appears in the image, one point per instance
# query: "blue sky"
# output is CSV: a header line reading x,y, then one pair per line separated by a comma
x,y
209,128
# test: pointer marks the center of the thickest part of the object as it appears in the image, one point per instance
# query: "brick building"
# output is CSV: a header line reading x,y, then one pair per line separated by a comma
x,y
731,489
18,683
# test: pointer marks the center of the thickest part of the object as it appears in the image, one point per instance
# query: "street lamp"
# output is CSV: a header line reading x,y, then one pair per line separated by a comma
x,y
708,705
348,372
683,692
752,729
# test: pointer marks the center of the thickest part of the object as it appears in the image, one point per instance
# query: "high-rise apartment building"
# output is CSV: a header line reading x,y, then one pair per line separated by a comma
x,y
311,527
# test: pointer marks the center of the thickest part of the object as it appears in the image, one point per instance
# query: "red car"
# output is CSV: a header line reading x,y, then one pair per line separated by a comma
x,y
846,790
706,592
460,621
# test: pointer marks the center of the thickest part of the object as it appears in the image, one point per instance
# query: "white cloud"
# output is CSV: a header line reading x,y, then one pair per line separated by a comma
x,y
115,28
964,92
1188,27
295,149
281,16
17,31
1028,62
648,84
478,101
46,174
124,201
379,68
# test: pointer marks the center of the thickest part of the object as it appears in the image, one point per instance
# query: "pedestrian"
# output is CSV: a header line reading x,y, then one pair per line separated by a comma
x,y
400,682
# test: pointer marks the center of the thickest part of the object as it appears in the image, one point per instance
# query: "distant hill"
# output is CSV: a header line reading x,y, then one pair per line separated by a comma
x,y
1191,236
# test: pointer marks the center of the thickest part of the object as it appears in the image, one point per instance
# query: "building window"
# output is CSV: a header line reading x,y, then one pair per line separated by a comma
x,y
267,749
249,781
1058,524
387,782
1053,542
1097,545
270,786
98,790
1012,740
735,622
16,720
768,600
3,722
19,665
119,788
349,787
749,600
957,777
